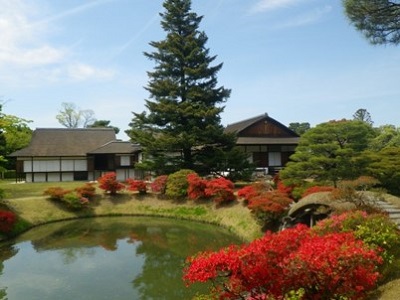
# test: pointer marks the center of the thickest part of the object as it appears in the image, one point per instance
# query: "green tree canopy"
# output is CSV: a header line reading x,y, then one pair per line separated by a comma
x,y
299,128
182,124
386,136
378,20
331,152
363,115
103,124
15,134
385,166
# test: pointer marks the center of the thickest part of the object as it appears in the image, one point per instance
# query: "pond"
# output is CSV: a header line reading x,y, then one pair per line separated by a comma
x,y
106,258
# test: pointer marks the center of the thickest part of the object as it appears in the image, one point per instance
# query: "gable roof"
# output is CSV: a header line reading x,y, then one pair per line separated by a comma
x,y
117,147
246,135
66,141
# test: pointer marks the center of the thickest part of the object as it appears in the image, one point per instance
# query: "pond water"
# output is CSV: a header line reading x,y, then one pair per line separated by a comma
x,y
106,258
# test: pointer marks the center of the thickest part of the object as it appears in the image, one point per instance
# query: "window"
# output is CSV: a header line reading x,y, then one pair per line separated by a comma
x,y
274,159
125,160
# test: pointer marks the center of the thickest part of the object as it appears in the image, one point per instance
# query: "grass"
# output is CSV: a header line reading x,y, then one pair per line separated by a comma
x,y
28,201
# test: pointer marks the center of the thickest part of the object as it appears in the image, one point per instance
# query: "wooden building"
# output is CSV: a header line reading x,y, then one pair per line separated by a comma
x,y
65,154
267,142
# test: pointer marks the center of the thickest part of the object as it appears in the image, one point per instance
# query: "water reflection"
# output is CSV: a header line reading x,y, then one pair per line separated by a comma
x,y
108,258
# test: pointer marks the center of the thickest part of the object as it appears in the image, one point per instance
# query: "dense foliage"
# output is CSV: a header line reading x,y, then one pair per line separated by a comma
x,y
109,183
378,20
7,221
136,185
331,152
76,199
177,184
220,190
159,184
335,265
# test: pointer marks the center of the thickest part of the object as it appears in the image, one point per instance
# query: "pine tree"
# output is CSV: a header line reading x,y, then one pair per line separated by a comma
x,y
184,111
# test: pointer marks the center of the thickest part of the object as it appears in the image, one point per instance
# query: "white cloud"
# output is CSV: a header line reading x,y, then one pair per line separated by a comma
x,y
20,42
80,72
27,54
268,5
307,18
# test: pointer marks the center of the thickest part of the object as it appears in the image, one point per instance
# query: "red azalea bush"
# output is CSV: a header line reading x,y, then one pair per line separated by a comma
x,y
56,193
197,186
282,187
73,199
324,267
159,184
7,221
88,190
220,189
269,207
109,183
137,185
253,190
375,230
317,189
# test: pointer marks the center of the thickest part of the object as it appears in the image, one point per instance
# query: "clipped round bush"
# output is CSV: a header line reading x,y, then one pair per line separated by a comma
x,y
177,184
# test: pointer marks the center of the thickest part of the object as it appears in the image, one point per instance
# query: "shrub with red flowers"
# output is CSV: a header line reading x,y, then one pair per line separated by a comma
x,y
253,190
88,190
220,190
109,183
375,230
317,189
197,186
282,187
73,199
56,193
159,184
7,221
137,185
333,266
269,207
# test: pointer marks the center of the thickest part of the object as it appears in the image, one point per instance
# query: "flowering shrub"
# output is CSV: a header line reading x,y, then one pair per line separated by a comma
x,y
159,184
253,190
88,190
56,193
220,189
197,186
77,199
269,207
333,266
282,187
109,183
137,185
7,221
375,230
317,189
177,184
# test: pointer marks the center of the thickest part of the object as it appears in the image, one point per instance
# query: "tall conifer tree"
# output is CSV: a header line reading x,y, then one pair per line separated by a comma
x,y
184,111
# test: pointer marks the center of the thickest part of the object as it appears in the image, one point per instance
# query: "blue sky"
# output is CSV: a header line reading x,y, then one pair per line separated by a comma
x,y
297,60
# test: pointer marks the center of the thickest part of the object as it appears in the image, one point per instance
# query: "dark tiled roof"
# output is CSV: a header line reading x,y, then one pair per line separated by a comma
x,y
239,126
116,147
242,125
66,141
267,141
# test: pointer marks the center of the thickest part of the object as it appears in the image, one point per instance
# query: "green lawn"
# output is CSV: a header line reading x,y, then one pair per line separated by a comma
x,y
28,201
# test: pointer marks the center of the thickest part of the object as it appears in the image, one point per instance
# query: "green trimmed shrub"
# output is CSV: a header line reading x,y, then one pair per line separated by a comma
x,y
177,184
